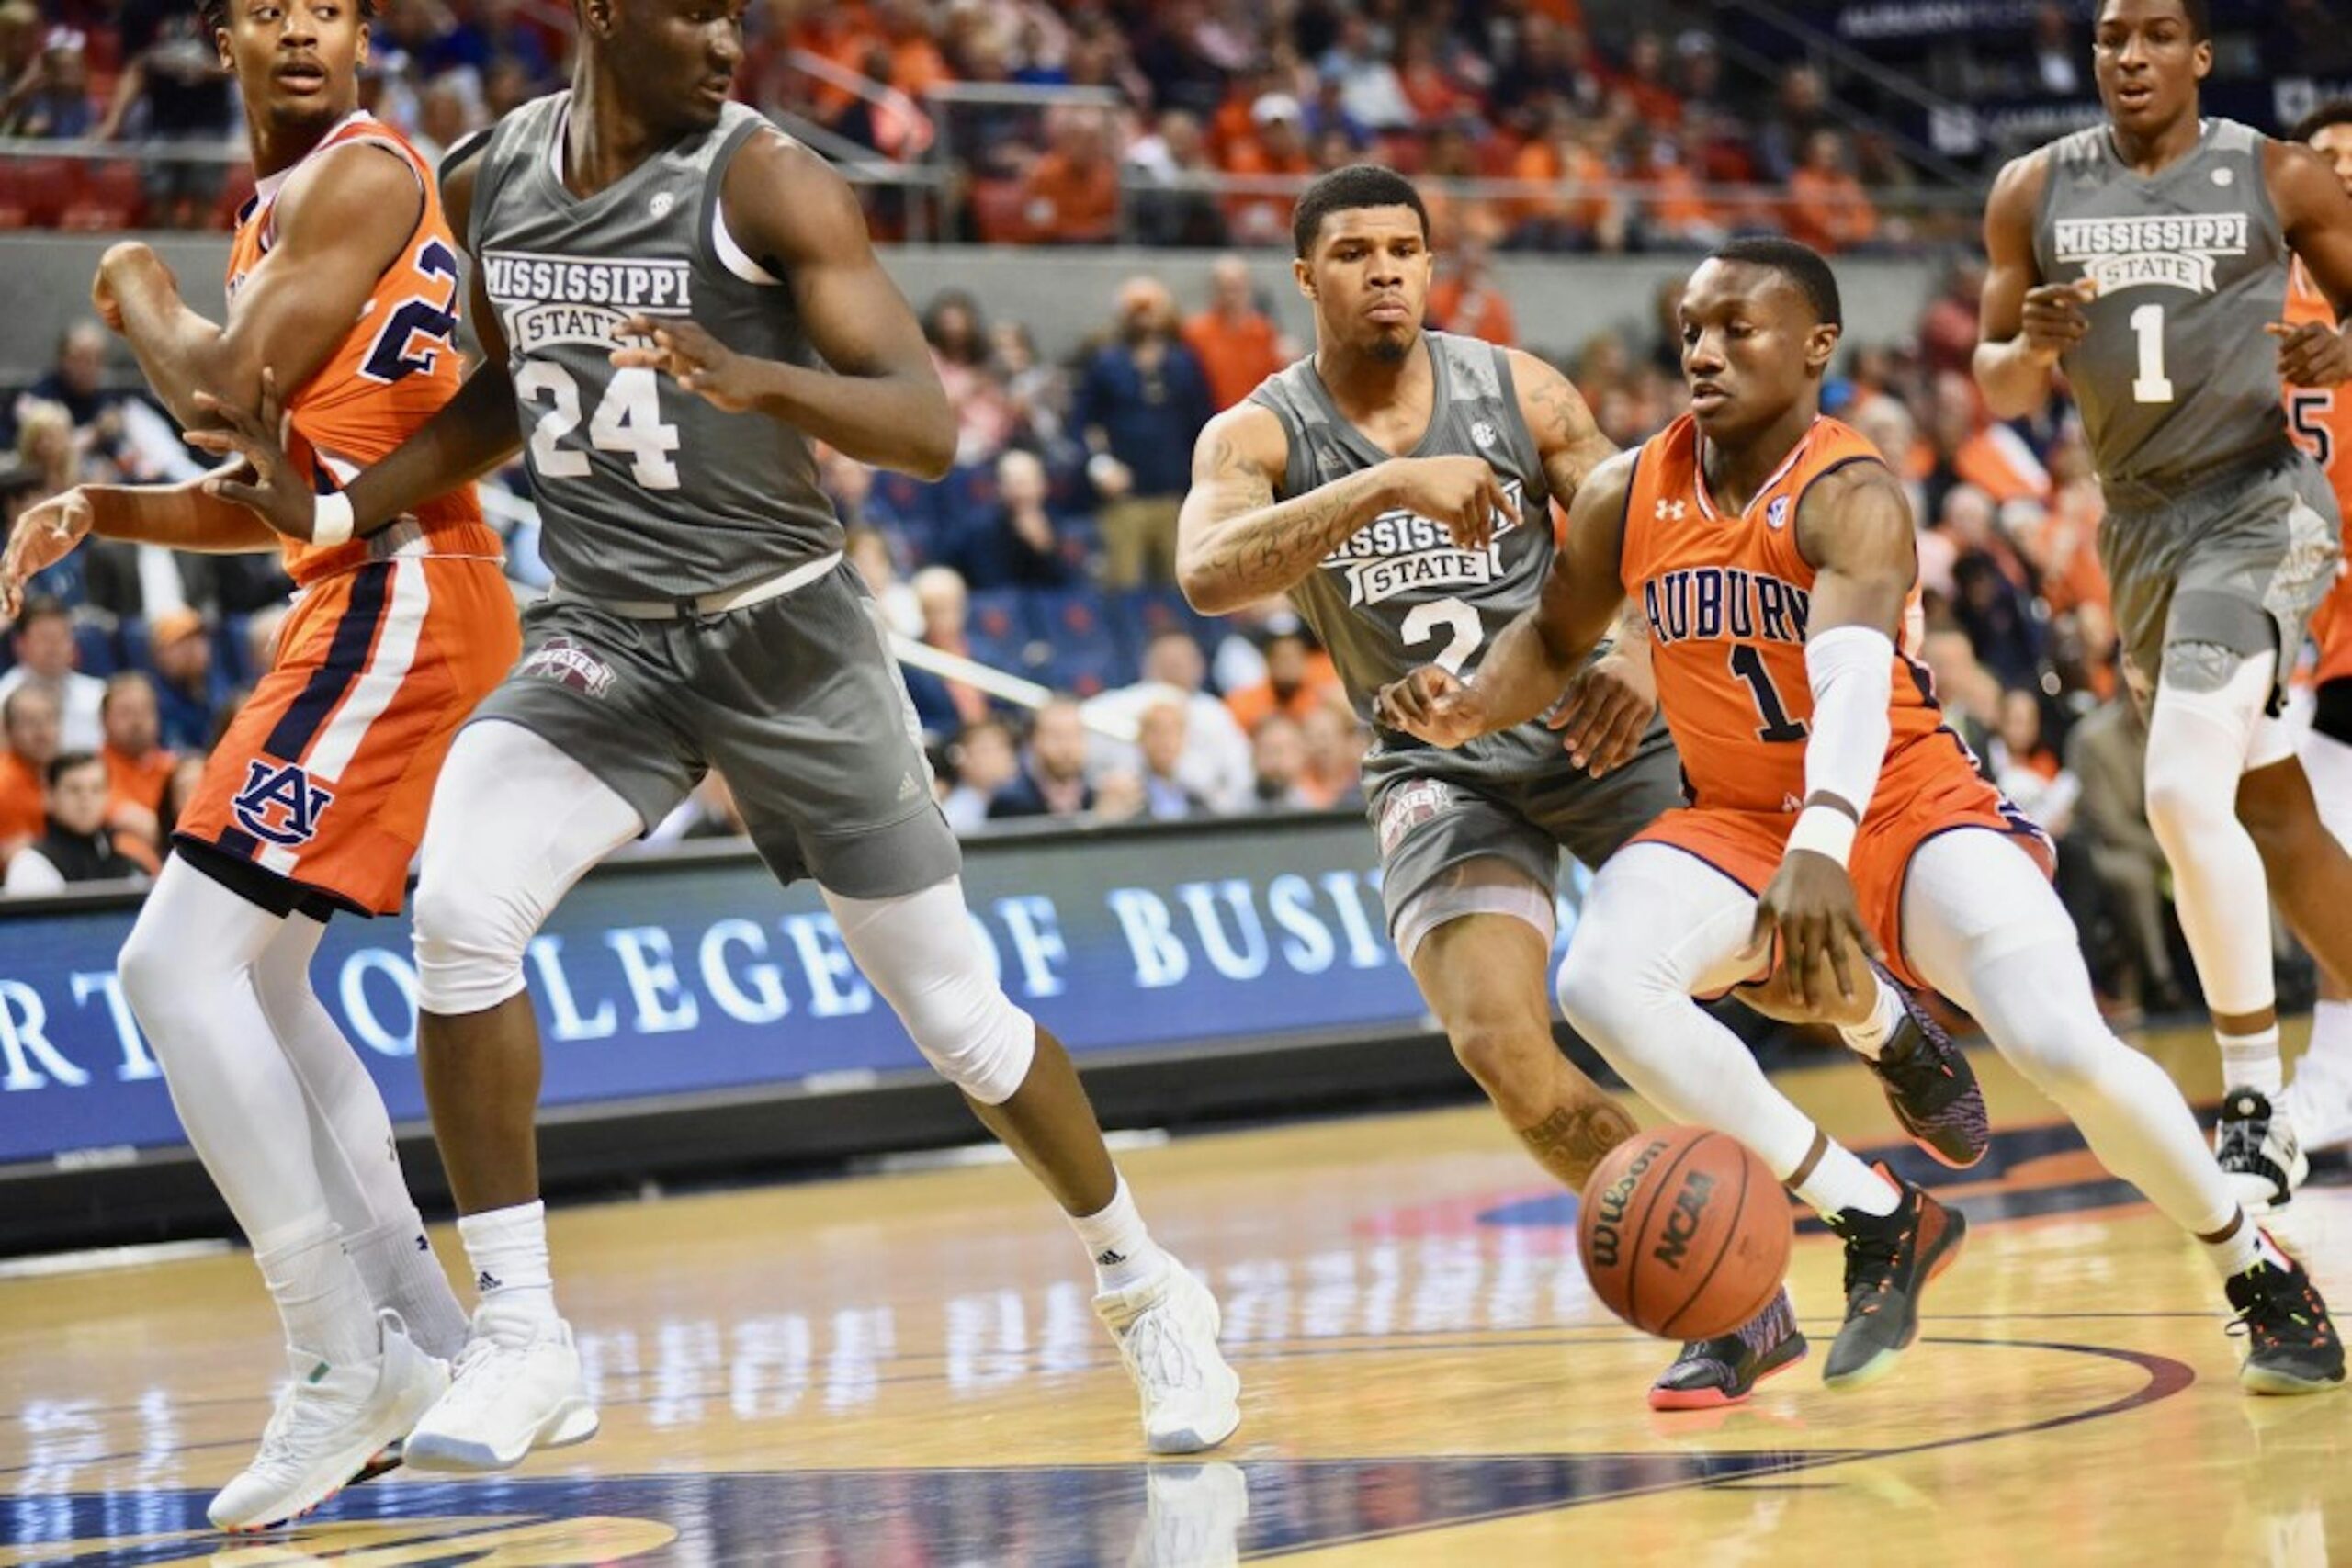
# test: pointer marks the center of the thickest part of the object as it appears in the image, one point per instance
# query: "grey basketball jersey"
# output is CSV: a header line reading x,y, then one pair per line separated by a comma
x,y
2175,376
646,490
1399,595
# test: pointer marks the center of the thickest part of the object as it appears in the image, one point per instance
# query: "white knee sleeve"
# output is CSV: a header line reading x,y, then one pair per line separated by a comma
x,y
515,823
2200,737
918,949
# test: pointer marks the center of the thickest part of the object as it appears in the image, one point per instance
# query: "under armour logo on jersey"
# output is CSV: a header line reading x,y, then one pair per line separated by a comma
x,y
1776,516
279,803
1671,511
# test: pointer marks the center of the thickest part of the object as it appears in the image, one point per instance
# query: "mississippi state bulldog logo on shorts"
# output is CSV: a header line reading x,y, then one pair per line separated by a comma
x,y
1408,806
566,663
279,804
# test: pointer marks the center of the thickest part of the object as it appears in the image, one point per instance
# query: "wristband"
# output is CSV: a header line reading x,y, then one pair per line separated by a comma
x,y
1824,830
331,520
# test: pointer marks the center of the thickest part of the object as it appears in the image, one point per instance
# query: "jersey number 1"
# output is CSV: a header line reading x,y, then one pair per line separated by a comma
x,y
2151,385
627,419
1747,663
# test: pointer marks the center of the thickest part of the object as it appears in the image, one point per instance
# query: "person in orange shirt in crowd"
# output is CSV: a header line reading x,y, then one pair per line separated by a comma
x,y
1435,92
1828,209
29,722
138,765
1566,214
841,34
1454,218
1967,446
1334,737
1277,145
1669,209
1237,344
916,64
1468,301
1298,680
1071,194
1643,81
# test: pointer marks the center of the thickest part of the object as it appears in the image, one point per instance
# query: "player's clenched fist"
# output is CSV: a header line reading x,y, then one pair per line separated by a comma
x,y
695,360
44,535
2054,322
2312,354
1435,704
1460,492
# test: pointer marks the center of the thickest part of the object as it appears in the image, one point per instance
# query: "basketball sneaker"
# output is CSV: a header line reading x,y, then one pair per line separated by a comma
x,y
2291,1345
517,1386
2255,1145
1930,1087
1166,1329
1889,1260
1725,1369
329,1429
2318,1104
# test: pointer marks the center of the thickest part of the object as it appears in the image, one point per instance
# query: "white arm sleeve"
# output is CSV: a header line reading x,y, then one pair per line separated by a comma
x,y
1852,673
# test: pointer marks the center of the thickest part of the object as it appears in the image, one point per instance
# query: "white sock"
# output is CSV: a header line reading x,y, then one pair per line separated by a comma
x,y
398,1267
2331,1039
319,1296
1842,1181
508,1251
1870,1037
2251,1061
2244,1246
1122,1252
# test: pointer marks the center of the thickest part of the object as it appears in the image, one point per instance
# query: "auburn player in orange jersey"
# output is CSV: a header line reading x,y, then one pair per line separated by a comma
x,y
2318,1100
1773,554
342,289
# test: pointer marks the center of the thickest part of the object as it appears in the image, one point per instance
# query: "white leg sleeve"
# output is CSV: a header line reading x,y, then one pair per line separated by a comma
x,y
1657,928
918,949
515,823
351,1133
2199,736
1984,926
188,972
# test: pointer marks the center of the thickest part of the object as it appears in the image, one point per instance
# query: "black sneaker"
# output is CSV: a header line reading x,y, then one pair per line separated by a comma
x,y
2256,1149
1890,1260
1711,1373
2291,1348
1930,1087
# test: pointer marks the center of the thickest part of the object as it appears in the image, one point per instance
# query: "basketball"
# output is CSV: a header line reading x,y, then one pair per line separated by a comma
x,y
1684,1233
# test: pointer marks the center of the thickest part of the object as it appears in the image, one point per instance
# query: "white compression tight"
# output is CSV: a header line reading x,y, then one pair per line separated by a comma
x,y
524,821
2201,731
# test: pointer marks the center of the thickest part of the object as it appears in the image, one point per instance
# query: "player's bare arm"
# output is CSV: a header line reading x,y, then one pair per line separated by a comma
x,y
880,401
179,517
1854,527
2024,323
471,435
1534,658
341,223
2316,215
1236,543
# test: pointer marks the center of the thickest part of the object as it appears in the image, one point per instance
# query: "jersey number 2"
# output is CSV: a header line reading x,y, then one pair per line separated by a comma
x,y
1747,663
627,419
1445,615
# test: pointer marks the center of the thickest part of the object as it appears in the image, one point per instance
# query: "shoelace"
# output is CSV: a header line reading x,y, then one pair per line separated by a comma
x,y
476,1352
1870,1261
1158,1352
2274,1300
303,1408
2240,1142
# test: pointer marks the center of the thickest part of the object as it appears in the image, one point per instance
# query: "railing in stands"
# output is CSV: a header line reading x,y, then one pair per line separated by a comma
x,y
1822,49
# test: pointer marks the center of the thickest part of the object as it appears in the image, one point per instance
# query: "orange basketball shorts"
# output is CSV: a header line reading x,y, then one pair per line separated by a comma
x,y
327,773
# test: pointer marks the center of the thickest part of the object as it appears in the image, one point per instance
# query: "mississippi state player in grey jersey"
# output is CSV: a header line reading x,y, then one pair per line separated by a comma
x,y
2148,256
1398,485
702,617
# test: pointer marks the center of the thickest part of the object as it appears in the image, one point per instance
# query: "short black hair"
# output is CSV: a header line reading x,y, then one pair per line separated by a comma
x,y
2199,12
41,607
1357,184
1799,264
215,14
2336,112
65,763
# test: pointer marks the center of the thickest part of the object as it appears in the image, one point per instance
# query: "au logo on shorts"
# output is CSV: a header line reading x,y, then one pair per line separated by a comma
x,y
279,804
1409,806
566,663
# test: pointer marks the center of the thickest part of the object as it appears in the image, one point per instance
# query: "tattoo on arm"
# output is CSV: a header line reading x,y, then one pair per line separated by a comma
x,y
1571,441
1259,545
1574,1139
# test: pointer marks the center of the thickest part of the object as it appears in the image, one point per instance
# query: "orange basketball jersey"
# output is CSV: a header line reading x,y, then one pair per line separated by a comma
x,y
1728,598
2320,418
391,372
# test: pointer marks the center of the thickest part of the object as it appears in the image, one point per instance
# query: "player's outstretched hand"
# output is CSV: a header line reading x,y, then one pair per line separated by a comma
x,y
1460,492
1810,904
1433,704
695,360
2312,354
45,534
1607,709
2054,322
278,493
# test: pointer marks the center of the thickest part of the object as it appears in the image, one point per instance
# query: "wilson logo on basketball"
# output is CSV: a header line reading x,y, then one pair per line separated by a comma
x,y
1683,1220
1609,1214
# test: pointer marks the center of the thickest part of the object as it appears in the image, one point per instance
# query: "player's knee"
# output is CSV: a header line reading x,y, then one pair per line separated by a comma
x,y
151,971
2186,794
469,948
972,1034
1508,1050
1601,990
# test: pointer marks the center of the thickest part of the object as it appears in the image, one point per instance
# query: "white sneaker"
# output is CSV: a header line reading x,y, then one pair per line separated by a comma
x,y
2318,1104
1192,1517
2256,1145
517,1387
1166,1329
333,1426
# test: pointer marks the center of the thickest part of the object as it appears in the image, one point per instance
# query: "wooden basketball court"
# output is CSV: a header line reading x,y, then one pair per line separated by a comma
x,y
904,1368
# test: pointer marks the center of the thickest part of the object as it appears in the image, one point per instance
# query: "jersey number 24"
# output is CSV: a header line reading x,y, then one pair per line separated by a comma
x,y
627,420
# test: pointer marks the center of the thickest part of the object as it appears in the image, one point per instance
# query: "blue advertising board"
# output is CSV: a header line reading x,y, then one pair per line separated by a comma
x,y
695,976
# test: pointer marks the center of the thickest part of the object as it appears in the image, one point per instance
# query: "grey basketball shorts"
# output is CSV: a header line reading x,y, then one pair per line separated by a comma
x,y
1431,820
794,700
2239,561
